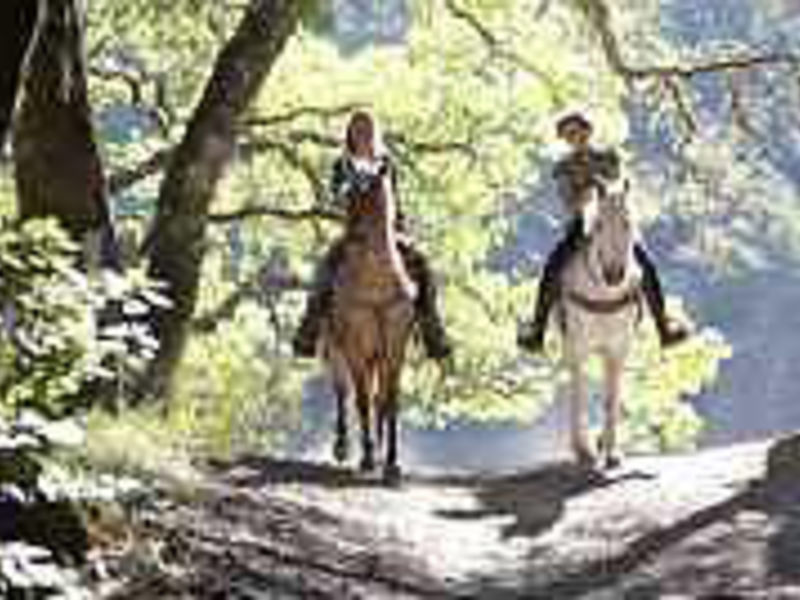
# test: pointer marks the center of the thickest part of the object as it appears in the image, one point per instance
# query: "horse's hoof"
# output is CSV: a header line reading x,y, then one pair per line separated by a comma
x,y
367,464
585,458
611,459
340,450
392,474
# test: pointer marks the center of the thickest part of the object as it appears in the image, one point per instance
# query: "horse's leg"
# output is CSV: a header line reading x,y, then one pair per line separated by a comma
x,y
613,379
379,405
578,418
341,446
392,368
381,418
365,417
391,469
367,445
382,385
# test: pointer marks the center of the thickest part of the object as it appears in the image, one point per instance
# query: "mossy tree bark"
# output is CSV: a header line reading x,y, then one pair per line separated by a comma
x,y
58,168
176,244
17,24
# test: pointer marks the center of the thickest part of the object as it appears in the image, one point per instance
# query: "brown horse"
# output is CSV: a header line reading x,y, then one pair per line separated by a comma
x,y
370,322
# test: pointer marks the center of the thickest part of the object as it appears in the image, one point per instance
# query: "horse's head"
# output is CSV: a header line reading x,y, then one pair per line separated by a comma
x,y
371,225
611,229
369,196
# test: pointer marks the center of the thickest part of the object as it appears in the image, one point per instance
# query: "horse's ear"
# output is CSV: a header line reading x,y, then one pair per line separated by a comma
x,y
618,189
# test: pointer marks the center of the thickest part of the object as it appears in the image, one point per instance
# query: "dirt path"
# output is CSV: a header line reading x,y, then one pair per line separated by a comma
x,y
692,525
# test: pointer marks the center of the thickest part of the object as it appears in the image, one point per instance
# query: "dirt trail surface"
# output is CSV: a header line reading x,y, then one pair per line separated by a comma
x,y
702,525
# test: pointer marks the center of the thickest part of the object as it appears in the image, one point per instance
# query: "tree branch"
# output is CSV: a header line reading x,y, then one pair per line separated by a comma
x,y
741,62
159,160
137,80
597,14
432,147
125,178
225,310
677,92
474,23
292,156
321,112
739,115
253,288
275,212
499,50
134,82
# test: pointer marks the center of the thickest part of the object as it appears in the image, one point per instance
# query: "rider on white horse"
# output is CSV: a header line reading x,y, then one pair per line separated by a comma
x,y
582,172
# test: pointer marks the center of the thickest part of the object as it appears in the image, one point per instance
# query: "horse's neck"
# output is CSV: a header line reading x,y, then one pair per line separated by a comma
x,y
373,264
372,231
584,277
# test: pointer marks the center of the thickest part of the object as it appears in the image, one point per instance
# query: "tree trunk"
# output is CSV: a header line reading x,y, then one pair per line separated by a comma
x,y
17,25
58,168
177,243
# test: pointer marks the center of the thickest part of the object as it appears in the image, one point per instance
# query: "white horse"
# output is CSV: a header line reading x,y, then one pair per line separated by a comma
x,y
599,311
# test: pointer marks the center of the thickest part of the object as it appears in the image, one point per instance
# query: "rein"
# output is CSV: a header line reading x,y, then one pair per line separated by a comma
x,y
604,306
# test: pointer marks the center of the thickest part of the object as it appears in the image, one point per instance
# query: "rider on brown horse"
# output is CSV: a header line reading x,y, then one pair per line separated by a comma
x,y
364,152
584,170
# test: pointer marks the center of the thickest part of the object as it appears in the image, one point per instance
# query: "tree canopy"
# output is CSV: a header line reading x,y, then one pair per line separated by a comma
x,y
467,92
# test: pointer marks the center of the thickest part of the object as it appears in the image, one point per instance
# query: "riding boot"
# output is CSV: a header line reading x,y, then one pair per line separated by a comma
x,y
670,332
532,339
434,337
318,305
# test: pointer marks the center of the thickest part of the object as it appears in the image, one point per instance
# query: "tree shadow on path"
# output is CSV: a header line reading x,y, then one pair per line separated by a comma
x,y
535,500
257,471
